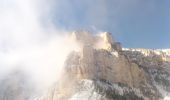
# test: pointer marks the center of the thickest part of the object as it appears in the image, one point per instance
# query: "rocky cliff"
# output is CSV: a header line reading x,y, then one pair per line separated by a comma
x,y
103,70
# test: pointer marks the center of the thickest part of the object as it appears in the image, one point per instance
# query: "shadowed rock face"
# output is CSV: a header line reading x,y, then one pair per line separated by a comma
x,y
15,87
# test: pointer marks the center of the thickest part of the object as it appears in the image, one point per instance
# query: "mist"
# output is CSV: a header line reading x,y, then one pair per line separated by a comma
x,y
35,34
30,46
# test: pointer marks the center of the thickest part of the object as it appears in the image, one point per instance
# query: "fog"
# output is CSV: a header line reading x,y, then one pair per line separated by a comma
x,y
32,42
31,45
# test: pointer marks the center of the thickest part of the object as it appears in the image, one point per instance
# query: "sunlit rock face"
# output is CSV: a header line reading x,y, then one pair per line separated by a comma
x,y
101,70
108,72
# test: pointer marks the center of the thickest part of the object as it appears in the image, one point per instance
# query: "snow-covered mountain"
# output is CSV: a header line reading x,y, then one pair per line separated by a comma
x,y
102,70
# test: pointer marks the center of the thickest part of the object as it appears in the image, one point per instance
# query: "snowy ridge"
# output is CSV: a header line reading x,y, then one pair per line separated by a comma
x,y
157,64
89,91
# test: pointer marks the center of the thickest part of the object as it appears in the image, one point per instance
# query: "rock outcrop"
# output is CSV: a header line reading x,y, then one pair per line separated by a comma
x,y
114,73
103,70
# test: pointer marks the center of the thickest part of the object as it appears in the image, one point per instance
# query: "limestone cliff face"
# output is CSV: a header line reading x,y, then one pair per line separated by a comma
x,y
103,70
108,63
109,72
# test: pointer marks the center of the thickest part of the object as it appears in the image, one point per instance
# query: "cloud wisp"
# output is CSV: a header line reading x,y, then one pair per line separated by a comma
x,y
31,44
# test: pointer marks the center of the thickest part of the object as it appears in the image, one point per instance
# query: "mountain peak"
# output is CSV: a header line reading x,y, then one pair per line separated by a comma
x,y
103,40
113,72
103,70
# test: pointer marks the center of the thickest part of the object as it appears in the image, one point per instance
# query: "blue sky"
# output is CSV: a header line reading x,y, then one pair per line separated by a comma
x,y
135,23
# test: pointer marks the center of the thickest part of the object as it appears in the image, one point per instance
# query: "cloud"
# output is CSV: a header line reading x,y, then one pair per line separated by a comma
x,y
32,36
33,33
30,43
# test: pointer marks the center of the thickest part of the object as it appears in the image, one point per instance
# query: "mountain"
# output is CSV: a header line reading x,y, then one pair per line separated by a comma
x,y
102,70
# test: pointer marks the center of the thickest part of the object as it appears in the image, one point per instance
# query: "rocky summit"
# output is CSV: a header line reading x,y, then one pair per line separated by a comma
x,y
103,70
